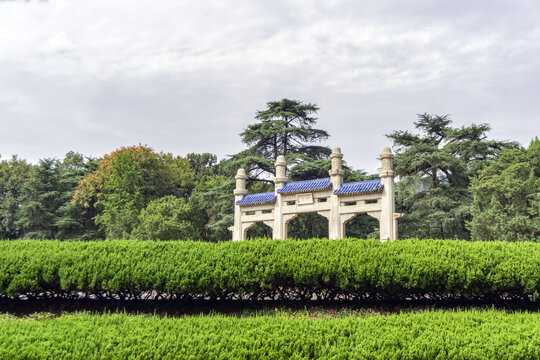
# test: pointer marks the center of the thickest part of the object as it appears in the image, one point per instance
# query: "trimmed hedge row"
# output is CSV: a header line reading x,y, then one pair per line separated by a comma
x,y
268,269
432,335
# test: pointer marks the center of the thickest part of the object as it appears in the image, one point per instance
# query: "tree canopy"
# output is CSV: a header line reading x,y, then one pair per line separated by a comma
x,y
13,174
506,196
166,218
126,181
434,167
285,127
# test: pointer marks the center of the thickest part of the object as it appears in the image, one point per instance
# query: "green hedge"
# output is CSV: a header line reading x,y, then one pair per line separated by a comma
x,y
262,269
432,335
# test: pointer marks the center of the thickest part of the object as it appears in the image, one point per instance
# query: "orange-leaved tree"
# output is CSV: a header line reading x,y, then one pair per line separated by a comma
x,y
126,181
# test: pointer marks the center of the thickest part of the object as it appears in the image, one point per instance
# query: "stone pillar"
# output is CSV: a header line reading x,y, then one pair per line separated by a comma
x,y
280,226
239,192
396,217
335,229
344,219
387,201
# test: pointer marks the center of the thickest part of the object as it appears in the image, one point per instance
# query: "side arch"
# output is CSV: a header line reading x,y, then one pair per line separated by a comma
x,y
257,229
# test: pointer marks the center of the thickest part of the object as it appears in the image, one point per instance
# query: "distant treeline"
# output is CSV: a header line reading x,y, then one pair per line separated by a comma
x,y
452,183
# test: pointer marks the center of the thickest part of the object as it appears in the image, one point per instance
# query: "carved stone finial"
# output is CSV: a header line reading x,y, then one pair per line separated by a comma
x,y
241,173
281,168
337,166
240,182
280,161
336,171
386,159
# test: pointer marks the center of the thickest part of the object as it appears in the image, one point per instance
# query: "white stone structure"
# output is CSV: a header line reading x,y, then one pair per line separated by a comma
x,y
329,197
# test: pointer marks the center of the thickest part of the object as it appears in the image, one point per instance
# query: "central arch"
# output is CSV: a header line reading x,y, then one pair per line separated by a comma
x,y
307,226
362,226
259,230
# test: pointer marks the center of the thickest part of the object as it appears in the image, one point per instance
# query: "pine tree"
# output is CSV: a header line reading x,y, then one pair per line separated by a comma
x,y
285,127
41,199
75,221
434,168
507,197
13,174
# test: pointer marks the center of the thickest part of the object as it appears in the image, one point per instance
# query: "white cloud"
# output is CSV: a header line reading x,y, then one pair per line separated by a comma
x,y
173,73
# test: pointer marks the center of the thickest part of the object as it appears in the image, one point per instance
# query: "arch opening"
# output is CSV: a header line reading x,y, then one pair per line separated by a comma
x,y
362,226
308,226
259,230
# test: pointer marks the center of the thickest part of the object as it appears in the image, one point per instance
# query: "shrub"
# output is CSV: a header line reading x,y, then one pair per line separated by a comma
x,y
269,269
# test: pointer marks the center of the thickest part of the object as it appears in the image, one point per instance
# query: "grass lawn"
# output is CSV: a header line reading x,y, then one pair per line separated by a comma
x,y
278,333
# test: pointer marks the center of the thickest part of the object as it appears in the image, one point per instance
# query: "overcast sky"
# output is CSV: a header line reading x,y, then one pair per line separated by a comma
x,y
188,76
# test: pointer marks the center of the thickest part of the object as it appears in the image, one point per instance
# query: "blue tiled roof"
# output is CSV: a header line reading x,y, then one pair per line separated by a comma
x,y
359,187
306,185
259,198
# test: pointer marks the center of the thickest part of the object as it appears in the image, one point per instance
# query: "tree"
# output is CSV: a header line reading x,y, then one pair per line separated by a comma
x,y
13,174
204,165
40,201
212,206
126,181
166,218
75,221
434,167
506,196
285,127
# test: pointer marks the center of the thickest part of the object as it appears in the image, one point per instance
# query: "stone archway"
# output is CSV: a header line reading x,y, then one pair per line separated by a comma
x,y
329,197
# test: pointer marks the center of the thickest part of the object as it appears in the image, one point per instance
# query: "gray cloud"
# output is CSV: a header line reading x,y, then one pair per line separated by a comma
x,y
185,77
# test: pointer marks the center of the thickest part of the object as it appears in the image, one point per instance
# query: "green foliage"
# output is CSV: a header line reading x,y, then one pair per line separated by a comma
x,y
435,167
507,197
306,226
40,202
316,169
166,218
431,335
13,174
37,200
73,221
212,204
126,181
276,269
362,226
259,230
203,165
285,127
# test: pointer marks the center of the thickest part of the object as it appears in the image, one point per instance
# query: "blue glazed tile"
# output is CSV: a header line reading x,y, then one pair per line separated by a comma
x,y
259,198
359,187
306,185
